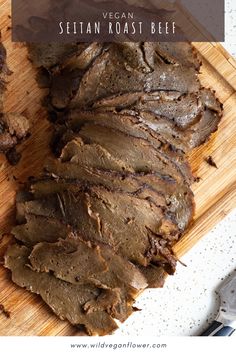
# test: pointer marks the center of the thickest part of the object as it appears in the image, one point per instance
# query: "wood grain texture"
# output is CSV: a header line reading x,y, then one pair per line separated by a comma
x,y
215,194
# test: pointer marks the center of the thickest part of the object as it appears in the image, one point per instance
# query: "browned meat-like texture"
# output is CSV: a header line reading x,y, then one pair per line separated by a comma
x,y
99,226
14,127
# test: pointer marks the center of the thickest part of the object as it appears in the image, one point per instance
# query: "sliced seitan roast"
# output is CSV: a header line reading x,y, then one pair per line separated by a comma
x,y
128,124
68,301
144,55
191,118
177,53
95,155
77,261
123,221
176,199
111,74
80,74
99,225
182,109
137,153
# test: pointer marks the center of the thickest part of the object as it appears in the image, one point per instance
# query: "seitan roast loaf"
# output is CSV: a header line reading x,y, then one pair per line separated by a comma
x,y
14,127
99,225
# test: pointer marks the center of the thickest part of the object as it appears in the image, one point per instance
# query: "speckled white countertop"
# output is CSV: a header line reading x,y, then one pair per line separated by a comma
x,y
189,300
230,26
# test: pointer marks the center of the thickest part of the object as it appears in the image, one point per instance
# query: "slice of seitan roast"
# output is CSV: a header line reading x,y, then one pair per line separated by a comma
x,y
158,131
126,223
110,180
176,199
192,135
186,140
192,117
144,55
129,125
208,124
78,262
177,53
110,74
94,155
50,55
38,228
71,148
137,153
97,71
182,109
68,301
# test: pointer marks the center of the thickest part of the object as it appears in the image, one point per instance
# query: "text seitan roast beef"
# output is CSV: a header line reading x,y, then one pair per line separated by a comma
x,y
99,225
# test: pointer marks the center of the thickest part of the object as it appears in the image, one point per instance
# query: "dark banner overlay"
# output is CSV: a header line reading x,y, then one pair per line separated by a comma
x,y
117,20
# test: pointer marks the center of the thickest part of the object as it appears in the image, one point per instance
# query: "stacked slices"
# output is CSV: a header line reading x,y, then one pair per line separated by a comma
x,y
99,226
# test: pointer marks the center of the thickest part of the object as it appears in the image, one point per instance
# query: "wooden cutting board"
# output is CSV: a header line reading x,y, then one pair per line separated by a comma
x,y
215,194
